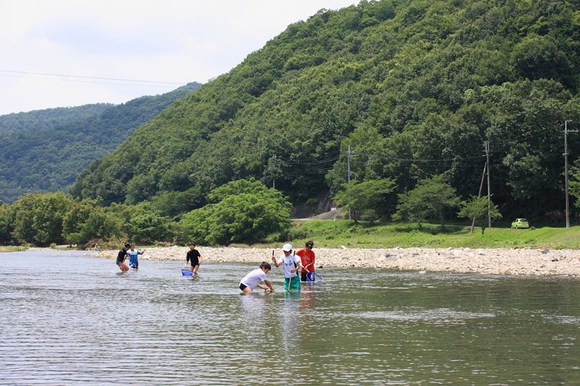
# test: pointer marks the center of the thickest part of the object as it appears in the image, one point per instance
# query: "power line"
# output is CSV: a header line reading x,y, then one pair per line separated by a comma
x,y
86,78
414,159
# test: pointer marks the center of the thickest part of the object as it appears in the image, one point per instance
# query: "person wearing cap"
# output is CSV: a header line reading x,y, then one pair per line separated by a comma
x,y
193,258
121,257
292,266
134,256
254,279
307,257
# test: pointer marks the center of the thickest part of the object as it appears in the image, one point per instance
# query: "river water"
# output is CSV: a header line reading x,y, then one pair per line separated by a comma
x,y
70,318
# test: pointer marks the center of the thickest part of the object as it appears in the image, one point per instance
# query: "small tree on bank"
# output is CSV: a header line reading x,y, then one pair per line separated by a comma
x,y
476,209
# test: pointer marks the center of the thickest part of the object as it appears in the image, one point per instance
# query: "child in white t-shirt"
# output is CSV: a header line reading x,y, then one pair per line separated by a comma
x,y
254,279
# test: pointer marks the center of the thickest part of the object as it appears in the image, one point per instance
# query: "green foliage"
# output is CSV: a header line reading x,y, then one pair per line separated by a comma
x,y
38,218
241,212
476,208
148,228
574,183
88,220
428,200
413,87
46,150
367,200
5,224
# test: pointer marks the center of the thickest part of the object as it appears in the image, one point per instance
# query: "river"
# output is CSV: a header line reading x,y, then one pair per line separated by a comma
x,y
69,318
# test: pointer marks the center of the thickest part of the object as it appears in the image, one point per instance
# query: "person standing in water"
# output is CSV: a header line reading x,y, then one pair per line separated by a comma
x,y
121,257
292,266
134,256
307,257
193,258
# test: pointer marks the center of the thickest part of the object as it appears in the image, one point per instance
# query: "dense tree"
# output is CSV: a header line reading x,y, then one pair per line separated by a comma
x,y
5,224
87,221
38,218
428,201
241,212
367,200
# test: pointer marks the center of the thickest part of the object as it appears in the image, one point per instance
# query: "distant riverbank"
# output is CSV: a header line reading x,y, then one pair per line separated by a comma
x,y
497,261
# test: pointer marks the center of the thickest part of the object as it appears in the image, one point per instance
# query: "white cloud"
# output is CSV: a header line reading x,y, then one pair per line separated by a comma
x,y
177,41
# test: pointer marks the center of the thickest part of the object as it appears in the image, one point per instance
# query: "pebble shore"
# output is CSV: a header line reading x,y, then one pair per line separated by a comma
x,y
520,261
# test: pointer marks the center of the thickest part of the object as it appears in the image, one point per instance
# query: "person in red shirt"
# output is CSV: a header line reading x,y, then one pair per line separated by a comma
x,y
308,257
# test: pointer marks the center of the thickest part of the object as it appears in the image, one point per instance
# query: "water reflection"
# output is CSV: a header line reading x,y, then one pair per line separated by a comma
x,y
64,325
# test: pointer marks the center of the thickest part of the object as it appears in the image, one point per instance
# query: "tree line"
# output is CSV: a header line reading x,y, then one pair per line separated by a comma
x,y
241,211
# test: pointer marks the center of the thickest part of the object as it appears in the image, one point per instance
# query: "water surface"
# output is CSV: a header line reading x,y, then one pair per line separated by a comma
x,y
70,318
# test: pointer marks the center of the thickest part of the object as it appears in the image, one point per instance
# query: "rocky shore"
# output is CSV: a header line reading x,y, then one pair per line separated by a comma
x,y
521,261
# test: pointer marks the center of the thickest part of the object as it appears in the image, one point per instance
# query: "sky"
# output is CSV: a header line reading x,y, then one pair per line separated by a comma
x,y
64,53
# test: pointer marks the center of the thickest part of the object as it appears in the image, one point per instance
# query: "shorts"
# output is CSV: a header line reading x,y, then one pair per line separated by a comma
x,y
307,276
292,284
243,286
134,262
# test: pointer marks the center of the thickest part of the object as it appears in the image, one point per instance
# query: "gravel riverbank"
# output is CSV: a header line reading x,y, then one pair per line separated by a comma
x,y
521,261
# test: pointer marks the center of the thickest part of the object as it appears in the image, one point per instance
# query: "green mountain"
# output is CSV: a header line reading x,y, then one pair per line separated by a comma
x,y
385,89
46,150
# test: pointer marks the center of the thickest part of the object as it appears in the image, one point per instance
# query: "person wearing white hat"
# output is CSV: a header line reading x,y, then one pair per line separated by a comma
x,y
292,267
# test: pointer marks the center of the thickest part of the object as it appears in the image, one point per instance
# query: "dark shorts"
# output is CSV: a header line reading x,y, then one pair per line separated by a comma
x,y
243,286
307,276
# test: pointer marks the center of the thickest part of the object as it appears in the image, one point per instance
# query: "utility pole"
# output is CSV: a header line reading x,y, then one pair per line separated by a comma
x,y
274,177
479,194
566,131
486,145
348,177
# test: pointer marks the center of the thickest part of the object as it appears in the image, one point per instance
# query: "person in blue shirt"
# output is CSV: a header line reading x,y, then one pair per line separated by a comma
x,y
134,256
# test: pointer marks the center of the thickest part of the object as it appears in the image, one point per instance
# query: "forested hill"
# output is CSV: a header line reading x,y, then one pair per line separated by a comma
x,y
49,118
45,150
412,88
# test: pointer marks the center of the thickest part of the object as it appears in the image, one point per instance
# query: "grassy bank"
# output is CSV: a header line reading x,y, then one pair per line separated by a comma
x,y
364,235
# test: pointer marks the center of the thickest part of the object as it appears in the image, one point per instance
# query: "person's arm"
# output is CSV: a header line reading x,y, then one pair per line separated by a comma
x,y
267,287
142,252
276,263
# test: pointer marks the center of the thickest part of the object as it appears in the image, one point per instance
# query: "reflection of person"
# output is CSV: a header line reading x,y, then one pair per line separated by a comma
x,y
193,258
291,267
134,256
254,279
121,257
308,257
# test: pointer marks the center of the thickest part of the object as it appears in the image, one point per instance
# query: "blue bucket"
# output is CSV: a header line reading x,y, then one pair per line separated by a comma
x,y
186,272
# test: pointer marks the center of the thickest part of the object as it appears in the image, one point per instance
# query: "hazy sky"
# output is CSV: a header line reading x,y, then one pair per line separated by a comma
x,y
59,53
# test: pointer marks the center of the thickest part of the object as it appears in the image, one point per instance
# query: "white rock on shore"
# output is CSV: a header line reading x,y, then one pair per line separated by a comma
x,y
531,262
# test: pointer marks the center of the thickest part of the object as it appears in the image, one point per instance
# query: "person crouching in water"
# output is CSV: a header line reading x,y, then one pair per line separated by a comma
x,y
254,278
292,266
121,257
